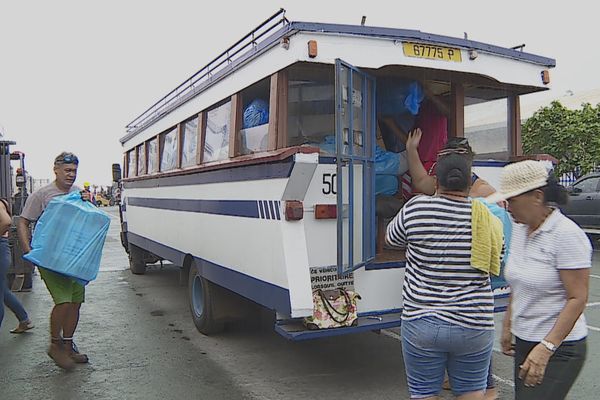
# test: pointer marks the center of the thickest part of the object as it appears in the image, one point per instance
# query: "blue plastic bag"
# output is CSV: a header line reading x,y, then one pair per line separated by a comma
x,y
386,162
256,113
399,96
69,237
386,184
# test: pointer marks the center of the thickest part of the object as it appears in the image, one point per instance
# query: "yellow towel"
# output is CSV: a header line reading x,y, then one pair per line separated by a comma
x,y
487,239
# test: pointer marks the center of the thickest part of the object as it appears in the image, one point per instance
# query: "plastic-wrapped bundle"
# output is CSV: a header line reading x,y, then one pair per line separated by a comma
x,y
256,113
69,237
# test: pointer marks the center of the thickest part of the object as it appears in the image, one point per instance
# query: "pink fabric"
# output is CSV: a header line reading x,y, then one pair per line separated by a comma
x,y
434,126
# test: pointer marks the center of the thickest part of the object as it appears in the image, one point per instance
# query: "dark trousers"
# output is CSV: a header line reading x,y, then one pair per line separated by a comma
x,y
561,371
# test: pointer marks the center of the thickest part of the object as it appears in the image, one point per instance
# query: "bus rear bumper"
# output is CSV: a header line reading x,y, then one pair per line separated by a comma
x,y
296,331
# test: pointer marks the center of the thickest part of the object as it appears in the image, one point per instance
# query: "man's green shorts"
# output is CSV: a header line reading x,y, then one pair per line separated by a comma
x,y
62,288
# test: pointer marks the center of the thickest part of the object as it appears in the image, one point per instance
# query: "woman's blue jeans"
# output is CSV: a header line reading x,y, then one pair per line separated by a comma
x,y
10,300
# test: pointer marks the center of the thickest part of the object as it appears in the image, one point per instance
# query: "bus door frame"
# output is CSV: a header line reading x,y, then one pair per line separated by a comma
x,y
364,137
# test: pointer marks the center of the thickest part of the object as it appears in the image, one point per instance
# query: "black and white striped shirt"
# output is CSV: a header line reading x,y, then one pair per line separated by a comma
x,y
439,279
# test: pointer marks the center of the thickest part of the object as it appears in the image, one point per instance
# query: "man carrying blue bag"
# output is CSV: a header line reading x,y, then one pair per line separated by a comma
x,y
59,249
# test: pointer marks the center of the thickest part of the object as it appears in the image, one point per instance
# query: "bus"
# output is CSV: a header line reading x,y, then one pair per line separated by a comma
x,y
259,175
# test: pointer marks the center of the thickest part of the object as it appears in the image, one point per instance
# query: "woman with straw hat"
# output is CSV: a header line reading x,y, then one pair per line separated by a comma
x,y
548,272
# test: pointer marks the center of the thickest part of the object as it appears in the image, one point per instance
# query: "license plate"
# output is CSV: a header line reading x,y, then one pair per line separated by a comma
x,y
431,52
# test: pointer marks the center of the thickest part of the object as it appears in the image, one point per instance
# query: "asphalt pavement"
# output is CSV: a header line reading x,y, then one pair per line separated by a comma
x,y
142,344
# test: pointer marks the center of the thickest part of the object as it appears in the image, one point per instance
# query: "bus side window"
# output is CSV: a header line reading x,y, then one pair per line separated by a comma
x,y
189,145
311,106
168,156
132,163
255,117
216,145
152,146
141,159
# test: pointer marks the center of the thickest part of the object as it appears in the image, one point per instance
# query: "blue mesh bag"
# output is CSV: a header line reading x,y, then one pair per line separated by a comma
x,y
69,237
256,113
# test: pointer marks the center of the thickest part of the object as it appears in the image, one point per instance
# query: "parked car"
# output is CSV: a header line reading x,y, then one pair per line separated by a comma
x,y
584,202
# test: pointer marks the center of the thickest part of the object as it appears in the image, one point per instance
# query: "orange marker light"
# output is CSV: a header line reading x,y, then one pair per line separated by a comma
x,y
294,210
325,211
545,77
312,48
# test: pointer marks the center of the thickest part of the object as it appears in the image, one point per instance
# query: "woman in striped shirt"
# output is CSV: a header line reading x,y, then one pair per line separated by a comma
x,y
548,273
447,319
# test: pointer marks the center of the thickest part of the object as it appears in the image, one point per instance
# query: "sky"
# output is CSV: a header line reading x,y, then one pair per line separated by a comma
x,y
74,73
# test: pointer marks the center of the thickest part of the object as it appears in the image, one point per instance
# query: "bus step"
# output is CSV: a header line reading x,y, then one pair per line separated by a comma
x,y
296,331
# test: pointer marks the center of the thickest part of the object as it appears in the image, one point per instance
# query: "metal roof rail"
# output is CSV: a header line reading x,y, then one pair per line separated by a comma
x,y
187,89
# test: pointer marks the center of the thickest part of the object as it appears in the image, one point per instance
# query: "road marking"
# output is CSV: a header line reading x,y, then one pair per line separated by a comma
x,y
507,382
391,334
593,304
595,276
497,378
593,328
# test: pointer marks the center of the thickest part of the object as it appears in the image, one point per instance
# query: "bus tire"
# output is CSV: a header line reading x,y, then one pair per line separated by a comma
x,y
137,264
202,296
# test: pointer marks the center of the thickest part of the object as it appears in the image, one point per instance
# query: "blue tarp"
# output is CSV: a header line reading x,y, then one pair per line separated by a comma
x,y
69,237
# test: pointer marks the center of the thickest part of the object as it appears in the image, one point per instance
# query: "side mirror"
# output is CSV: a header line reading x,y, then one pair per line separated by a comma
x,y
116,172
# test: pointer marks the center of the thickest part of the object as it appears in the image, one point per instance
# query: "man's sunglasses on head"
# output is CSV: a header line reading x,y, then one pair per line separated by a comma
x,y
68,158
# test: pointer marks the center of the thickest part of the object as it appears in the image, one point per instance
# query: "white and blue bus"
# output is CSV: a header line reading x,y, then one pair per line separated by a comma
x,y
258,173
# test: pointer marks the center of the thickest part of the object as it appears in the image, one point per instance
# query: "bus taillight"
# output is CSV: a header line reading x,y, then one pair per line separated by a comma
x,y
325,211
294,210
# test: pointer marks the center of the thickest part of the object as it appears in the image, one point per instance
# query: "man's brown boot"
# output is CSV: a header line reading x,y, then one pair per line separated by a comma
x,y
60,355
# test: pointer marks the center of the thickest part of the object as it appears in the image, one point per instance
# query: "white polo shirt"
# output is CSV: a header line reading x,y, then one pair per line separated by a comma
x,y
532,271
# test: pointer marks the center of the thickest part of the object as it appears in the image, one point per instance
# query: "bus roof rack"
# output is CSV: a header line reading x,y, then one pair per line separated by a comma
x,y
270,32
192,85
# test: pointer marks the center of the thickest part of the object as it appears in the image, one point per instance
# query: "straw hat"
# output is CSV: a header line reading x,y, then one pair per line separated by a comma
x,y
519,178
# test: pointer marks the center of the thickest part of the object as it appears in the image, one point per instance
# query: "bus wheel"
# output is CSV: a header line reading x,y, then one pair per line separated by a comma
x,y
137,265
202,297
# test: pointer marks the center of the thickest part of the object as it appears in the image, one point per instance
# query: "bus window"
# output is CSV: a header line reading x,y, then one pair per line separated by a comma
x,y
132,163
189,143
168,156
255,118
141,159
311,108
216,146
486,125
152,155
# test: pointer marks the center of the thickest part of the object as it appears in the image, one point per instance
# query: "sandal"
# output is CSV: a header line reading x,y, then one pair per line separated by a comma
x,y
23,327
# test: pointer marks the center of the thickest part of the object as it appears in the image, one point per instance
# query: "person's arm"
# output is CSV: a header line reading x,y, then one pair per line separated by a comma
x,y
506,340
420,180
24,234
5,219
396,233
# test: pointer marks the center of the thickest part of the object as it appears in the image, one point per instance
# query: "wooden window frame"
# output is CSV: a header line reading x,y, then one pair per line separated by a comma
x,y
201,137
456,119
235,126
514,126
278,111
179,144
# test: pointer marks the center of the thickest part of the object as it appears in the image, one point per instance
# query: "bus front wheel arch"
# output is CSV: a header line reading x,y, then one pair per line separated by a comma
x,y
202,295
